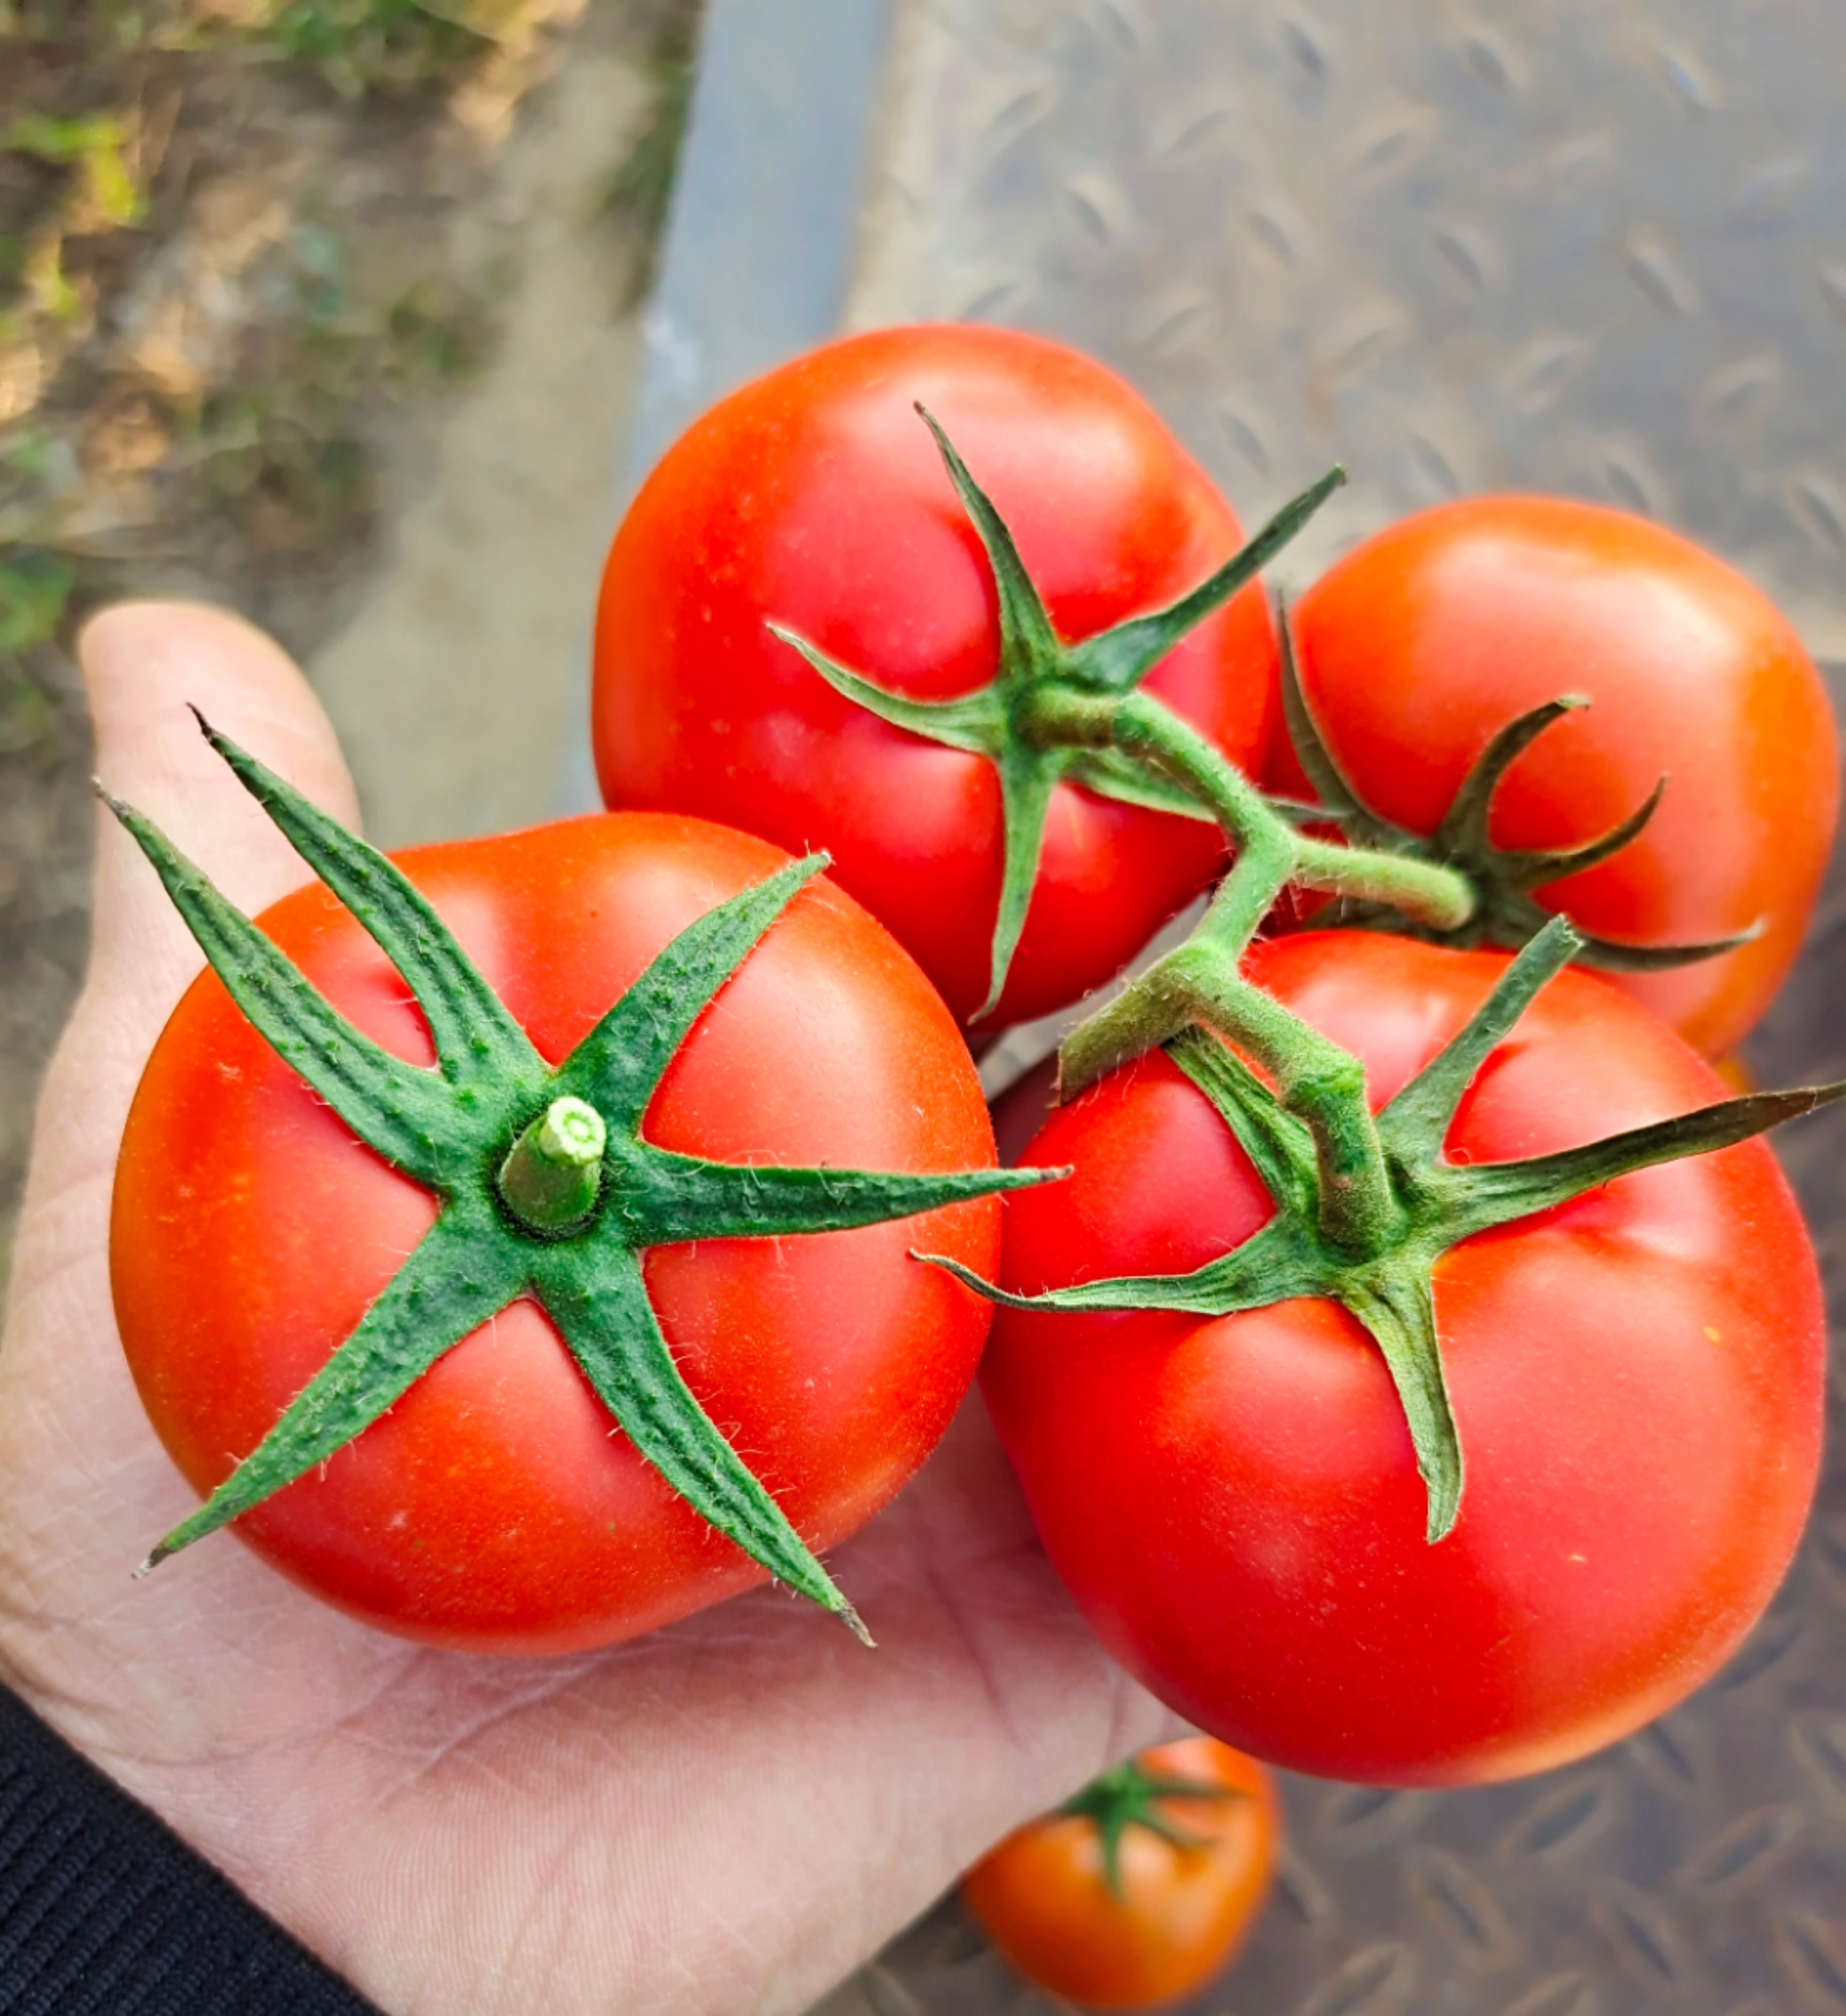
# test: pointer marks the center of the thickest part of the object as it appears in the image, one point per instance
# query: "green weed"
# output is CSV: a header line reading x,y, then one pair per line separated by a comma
x,y
362,45
34,591
106,187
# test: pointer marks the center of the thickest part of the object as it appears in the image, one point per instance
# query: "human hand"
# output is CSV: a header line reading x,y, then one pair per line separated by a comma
x,y
725,1816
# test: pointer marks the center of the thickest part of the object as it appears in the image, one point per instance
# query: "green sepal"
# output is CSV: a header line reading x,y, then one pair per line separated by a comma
x,y
1506,915
400,1112
1117,661
1611,956
1277,1263
596,1295
1492,1193
1110,774
1278,1142
1026,633
1533,868
659,1198
1416,1123
1339,797
477,1041
1299,813
1027,779
1396,1303
973,722
463,1271
1463,833
618,1067
1124,1798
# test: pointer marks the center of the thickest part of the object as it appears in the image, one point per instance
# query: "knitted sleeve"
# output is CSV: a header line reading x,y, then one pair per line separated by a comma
x,y
104,1911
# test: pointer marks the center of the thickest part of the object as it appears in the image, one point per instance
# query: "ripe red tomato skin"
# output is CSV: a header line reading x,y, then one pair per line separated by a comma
x,y
1234,1503
1042,1897
1425,638
495,1507
816,496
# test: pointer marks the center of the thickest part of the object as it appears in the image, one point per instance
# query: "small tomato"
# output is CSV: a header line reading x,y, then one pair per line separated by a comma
x,y
1142,1887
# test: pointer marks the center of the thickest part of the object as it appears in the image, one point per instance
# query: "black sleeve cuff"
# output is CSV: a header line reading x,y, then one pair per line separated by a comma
x,y
105,1911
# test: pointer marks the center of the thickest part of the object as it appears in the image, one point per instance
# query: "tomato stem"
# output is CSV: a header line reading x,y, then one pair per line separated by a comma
x,y
1147,733
1366,1204
1029,722
553,1173
1058,711
1199,982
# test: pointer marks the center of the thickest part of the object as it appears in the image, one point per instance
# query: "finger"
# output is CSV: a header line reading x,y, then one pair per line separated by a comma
x,y
143,663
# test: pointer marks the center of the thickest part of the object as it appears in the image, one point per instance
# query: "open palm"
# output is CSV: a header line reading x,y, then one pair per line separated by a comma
x,y
724,1816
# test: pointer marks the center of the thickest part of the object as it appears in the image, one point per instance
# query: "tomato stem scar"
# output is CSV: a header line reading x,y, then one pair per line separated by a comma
x,y
553,1174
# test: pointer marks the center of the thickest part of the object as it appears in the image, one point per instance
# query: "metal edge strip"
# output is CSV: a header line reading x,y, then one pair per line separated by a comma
x,y
761,233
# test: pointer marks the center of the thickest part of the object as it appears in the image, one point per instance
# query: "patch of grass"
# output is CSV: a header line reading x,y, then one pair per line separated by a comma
x,y
106,191
35,589
35,592
430,339
365,45
14,251
283,450
27,716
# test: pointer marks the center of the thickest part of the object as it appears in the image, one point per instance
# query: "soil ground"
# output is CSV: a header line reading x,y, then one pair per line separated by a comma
x,y
323,309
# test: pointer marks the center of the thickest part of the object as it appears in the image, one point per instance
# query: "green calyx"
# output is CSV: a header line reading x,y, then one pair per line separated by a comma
x,y
1020,722
1378,1261
1505,913
547,1187
1128,1796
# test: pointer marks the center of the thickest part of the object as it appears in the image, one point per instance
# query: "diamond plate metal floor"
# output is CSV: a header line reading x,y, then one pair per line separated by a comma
x,y
1598,249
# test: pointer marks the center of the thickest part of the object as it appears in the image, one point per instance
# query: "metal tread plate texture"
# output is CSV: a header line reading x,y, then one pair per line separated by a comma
x,y
1596,247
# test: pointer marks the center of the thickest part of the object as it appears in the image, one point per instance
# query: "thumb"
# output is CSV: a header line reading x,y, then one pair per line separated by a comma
x,y
146,666
143,663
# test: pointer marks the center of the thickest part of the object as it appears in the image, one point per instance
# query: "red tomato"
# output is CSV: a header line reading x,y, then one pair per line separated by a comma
x,y
1636,1377
1426,638
1182,1907
497,1506
816,497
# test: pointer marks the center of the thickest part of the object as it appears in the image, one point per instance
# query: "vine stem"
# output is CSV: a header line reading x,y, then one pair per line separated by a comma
x,y
1201,981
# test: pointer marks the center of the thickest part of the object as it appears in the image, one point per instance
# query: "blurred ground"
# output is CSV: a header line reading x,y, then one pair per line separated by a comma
x,y
321,309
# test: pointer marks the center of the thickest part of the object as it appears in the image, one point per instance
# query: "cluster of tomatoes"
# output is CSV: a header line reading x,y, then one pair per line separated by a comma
x,y
1231,1500
826,626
